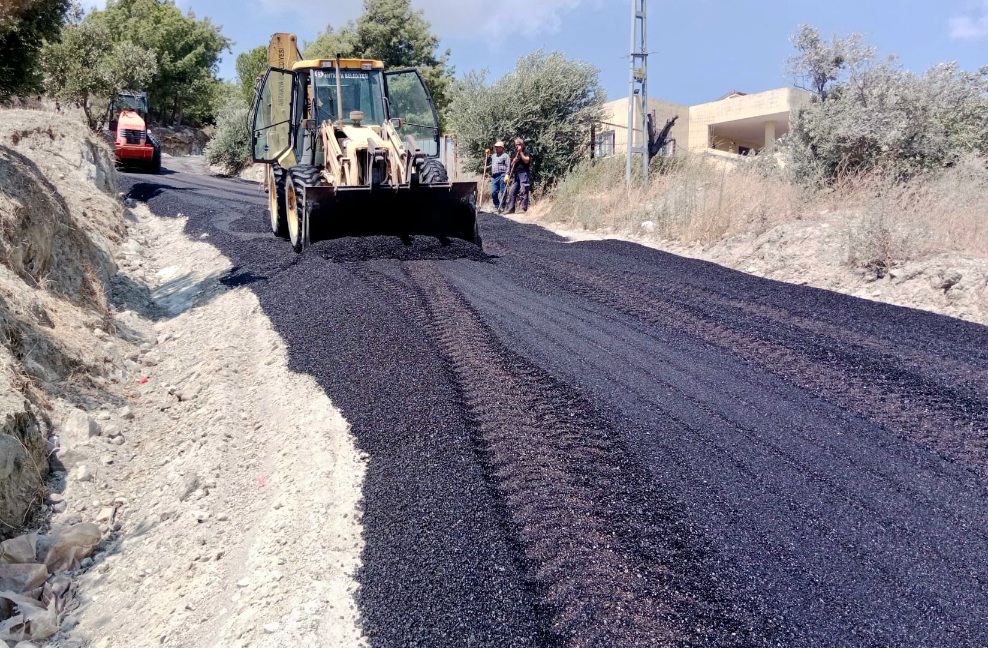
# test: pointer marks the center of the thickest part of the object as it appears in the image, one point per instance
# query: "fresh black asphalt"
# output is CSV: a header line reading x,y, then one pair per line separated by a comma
x,y
600,444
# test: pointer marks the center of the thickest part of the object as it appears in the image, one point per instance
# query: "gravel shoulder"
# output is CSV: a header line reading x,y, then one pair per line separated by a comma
x,y
238,483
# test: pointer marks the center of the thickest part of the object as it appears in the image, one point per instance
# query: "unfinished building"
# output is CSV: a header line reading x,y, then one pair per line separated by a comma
x,y
736,124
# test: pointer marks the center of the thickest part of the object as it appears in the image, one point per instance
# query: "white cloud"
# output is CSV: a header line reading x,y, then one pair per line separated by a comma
x,y
972,25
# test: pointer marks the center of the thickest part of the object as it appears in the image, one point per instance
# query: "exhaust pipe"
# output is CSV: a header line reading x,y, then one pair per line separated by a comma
x,y
339,92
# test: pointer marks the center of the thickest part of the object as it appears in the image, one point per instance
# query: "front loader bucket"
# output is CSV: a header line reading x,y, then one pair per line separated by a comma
x,y
444,211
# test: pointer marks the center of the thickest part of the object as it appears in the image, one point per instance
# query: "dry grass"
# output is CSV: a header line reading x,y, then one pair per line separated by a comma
x,y
695,199
691,200
930,214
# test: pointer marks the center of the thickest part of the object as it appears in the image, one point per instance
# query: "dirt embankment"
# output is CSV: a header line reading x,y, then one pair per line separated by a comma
x,y
182,140
59,226
151,469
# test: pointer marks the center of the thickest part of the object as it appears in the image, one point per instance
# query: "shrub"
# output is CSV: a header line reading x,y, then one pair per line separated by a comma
x,y
873,114
230,147
24,26
548,100
934,212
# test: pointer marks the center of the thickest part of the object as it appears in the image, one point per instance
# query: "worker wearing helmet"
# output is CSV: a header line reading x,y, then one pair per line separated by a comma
x,y
521,177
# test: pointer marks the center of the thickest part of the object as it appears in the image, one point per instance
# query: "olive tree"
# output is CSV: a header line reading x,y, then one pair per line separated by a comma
x,y
185,87
230,147
547,100
395,33
870,113
88,68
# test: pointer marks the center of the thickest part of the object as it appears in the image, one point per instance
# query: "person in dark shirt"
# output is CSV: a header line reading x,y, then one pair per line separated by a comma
x,y
521,178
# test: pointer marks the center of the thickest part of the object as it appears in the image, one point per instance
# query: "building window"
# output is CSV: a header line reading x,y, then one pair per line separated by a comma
x,y
603,144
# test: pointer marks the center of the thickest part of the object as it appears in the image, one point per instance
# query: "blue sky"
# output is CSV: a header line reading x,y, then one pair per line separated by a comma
x,y
701,48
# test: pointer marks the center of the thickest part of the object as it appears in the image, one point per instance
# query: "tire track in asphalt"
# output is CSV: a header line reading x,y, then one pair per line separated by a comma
x,y
950,418
871,535
905,512
605,551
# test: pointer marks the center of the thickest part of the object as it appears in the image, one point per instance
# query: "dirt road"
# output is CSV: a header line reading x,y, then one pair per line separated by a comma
x,y
598,444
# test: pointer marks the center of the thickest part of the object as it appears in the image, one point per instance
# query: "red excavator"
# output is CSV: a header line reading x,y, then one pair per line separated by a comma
x,y
127,126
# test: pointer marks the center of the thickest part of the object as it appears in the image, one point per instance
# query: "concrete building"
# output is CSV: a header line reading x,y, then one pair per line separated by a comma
x,y
737,123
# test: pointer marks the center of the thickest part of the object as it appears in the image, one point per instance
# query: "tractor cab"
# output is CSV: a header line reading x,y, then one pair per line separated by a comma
x,y
126,119
365,96
126,100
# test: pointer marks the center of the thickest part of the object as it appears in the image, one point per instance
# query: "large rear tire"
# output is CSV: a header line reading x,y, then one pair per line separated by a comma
x,y
432,171
296,208
276,200
156,160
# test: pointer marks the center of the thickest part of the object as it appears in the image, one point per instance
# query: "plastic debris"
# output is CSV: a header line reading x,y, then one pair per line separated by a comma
x,y
70,546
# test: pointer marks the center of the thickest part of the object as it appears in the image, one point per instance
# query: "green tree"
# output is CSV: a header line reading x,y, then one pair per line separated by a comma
x,y
188,52
231,145
249,66
871,113
548,100
24,26
331,42
392,32
819,64
87,67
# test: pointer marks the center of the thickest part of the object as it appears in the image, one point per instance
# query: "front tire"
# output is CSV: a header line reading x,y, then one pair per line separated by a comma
x,y
296,207
476,235
276,200
156,160
294,217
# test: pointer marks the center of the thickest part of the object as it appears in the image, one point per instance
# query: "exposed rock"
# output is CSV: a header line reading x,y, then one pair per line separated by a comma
x,y
181,140
23,459
947,280
188,486
79,426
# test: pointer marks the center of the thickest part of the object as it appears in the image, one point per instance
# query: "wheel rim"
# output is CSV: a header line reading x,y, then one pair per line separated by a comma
x,y
292,208
272,200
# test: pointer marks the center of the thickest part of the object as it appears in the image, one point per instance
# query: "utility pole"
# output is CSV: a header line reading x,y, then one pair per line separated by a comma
x,y
638,89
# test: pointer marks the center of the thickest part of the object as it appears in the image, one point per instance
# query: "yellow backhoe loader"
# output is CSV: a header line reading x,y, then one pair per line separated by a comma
x,y
352,149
